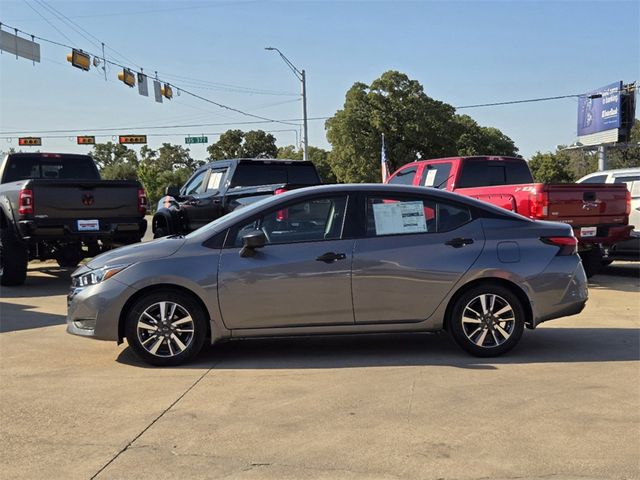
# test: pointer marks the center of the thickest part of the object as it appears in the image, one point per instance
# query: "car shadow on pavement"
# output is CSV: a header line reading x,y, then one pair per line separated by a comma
x,y
44,281
545,345
15,316
624,277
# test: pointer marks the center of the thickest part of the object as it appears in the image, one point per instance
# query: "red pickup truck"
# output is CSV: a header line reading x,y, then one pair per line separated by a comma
x,y
598,213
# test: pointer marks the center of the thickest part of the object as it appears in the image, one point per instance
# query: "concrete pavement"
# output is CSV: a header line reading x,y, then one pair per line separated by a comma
x,y
565,404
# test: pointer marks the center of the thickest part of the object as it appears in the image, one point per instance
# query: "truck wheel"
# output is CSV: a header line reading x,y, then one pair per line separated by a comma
x,y
69,257
160,232
591,261
14,257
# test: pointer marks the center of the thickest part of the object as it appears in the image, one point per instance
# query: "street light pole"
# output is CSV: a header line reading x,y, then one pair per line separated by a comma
x,y
300,75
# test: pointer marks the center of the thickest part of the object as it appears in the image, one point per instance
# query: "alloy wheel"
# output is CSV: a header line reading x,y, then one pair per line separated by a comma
x,y
488,320
165,329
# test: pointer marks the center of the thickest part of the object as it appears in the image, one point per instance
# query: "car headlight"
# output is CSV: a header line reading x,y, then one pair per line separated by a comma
x,y
100,275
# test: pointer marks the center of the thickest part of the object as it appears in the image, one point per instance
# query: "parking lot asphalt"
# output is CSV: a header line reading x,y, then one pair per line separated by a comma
x,y
564,404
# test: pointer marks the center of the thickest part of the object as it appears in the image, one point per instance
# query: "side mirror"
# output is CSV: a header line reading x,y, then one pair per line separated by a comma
x,y
172,191
251,241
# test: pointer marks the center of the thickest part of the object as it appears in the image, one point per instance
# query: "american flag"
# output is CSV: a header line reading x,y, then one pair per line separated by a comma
x,y
383,161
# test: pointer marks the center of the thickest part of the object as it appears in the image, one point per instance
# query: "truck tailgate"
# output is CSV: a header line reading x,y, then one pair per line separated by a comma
x,y
587,204
84,199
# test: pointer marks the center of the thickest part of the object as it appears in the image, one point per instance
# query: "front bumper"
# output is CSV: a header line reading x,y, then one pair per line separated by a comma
x,y
98,306
560,291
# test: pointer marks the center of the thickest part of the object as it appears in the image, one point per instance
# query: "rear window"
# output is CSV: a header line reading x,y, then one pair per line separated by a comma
x,y
480,173
249,175
25,167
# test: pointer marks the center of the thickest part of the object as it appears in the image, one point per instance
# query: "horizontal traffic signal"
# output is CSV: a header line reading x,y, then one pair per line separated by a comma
x,y
132,139
86,140
79,59
29,141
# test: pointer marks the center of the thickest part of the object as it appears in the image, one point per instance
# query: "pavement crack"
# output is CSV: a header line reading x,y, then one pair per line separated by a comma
x,y
142,432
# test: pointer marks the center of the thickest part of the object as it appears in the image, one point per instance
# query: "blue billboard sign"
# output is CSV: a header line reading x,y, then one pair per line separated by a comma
x,y
600,110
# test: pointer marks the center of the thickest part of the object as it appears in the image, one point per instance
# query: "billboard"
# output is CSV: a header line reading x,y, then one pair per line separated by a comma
x,y
600,110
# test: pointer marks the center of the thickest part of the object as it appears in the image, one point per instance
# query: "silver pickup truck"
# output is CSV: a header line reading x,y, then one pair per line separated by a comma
x,y
56,206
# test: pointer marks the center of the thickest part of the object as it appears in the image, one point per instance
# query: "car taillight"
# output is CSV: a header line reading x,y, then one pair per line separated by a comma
x,y
25,202
568,245
538,204
142,201
281,215
628,209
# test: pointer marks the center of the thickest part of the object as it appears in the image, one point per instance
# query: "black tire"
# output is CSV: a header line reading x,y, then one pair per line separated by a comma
x,y
591,261
606,263
14,257
69,257
171,338
160,232
488,337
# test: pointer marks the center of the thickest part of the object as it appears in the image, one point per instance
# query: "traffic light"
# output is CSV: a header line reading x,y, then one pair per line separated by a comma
x,y
86,140
29,141
167,91
122,139
127,77
79,59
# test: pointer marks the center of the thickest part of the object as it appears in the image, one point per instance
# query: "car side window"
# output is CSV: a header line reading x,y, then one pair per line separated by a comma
x,y
195,186
399,215
595,179
404,177
436,175
628,180
311,220
451,216
214,179
402,215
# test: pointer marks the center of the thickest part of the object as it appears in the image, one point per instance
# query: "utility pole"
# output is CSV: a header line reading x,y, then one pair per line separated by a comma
x,y
602,158
300,75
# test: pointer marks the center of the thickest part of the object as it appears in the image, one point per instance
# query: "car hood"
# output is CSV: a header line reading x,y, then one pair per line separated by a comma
x,y
139,252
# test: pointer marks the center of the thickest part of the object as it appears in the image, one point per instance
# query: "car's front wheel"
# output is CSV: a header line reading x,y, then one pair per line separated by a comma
x,y
487,320
166,327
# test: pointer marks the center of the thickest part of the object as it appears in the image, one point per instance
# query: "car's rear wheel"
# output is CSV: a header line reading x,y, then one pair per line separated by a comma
x,y
166,327
487,320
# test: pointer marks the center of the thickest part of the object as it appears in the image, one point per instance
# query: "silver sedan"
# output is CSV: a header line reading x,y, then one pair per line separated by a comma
x,y
335,259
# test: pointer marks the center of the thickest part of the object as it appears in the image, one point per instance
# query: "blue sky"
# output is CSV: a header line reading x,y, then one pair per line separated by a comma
x,y
462,52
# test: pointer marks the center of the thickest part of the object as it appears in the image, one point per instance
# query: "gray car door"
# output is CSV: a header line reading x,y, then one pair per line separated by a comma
x,y
414,252
302,277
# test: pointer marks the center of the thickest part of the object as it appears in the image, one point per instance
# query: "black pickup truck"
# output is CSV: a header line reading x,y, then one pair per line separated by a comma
x,y
55,206
219,187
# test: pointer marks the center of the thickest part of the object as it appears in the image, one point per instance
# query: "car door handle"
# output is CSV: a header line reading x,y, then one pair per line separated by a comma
x,y
331,257
459,242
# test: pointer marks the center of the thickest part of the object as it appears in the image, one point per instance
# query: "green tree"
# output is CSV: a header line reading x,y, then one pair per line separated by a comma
x,y
108,154
626,157
414,125
476,140
239,144
318,156
551,167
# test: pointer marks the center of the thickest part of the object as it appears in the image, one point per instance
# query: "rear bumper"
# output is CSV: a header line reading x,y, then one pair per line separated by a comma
x,y
110,229
605,234
560,291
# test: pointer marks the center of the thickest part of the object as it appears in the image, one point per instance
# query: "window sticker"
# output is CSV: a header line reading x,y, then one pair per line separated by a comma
x,y
430,179
399,217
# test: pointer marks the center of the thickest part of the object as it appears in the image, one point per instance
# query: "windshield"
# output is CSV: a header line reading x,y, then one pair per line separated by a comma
x,y
56,167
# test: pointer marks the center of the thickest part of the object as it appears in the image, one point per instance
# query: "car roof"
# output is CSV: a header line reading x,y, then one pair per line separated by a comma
x,y
233,161
614,172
